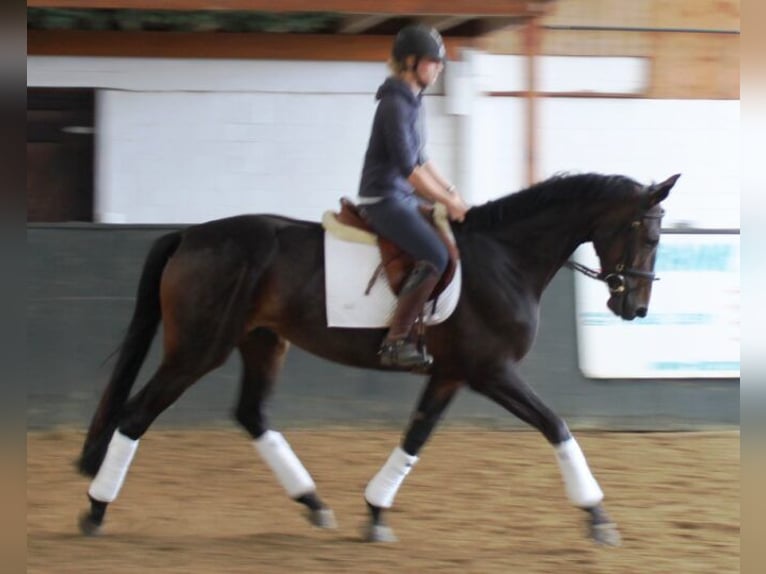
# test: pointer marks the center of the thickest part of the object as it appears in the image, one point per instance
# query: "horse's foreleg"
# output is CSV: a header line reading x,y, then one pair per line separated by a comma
x,y
263,353
382,489
505,387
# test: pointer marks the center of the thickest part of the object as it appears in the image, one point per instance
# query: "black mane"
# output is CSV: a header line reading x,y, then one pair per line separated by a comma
x,y
555,191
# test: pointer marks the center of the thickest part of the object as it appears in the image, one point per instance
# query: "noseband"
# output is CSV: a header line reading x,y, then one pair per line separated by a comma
x,y
615,279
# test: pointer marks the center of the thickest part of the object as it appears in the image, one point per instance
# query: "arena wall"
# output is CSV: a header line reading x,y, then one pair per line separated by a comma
x,y
81,283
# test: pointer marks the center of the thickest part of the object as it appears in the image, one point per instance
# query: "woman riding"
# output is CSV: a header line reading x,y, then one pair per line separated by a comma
x,y
397,177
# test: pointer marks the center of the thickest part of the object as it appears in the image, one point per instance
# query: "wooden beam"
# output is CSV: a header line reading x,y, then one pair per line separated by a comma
x,y
360,22
391,7
531,51
325,47
584,95
442,23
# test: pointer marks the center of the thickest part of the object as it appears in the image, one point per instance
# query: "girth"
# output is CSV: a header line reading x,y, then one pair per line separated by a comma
x,y
394,261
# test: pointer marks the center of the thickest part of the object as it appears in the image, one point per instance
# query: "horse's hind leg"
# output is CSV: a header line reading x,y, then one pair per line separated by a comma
x,y
263,353
204,295
382,489
504,386
162,390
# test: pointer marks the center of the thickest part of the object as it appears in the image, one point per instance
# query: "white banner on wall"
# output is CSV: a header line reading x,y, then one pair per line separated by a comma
x,y
692,328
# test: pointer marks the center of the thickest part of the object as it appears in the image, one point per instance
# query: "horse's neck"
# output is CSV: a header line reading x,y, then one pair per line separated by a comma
x,y
545,242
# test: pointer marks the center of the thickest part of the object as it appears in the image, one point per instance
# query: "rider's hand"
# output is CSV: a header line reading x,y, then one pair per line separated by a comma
x,y
456,207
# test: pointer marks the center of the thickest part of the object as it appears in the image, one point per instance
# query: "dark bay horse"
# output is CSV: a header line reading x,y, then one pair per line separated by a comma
x,y
256,282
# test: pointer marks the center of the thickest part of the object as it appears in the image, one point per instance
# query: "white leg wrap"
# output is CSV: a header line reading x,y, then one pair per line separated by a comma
x,y
382,489
108,482
290,472
581,488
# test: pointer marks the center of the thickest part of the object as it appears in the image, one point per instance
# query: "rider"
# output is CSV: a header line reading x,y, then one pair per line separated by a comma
x,y
397,176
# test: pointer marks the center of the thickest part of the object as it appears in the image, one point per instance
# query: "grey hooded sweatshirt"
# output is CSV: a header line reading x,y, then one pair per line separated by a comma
x,y
396,143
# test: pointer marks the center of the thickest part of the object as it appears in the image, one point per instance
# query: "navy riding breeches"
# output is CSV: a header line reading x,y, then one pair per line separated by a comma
x,y
399,220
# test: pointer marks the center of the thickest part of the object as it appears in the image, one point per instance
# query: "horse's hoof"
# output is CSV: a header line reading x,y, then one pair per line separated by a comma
x,y
323,518
606,534
88,526
379,533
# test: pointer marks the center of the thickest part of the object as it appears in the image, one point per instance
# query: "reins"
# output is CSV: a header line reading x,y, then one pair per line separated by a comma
x,y
615,280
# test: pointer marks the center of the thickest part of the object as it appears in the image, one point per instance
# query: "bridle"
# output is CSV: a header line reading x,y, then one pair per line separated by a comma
x,y
615,279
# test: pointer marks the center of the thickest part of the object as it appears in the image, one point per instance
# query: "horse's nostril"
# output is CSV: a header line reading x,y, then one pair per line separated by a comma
x,y
641,311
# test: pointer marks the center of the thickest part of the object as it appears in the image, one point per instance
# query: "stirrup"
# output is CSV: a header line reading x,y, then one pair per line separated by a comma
x,y
404,354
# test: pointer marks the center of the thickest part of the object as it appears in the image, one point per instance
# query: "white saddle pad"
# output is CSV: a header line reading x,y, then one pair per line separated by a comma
x,y
349,266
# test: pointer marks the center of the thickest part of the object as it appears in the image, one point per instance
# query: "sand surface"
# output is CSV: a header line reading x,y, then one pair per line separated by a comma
x,y
201,501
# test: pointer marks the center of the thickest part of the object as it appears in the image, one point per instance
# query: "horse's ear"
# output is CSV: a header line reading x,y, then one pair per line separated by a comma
x,y
659,191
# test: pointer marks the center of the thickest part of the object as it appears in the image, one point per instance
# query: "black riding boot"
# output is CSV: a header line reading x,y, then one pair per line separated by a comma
x,y
397,349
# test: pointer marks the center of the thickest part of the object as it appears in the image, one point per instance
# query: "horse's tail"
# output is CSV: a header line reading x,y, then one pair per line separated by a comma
x,y
132,352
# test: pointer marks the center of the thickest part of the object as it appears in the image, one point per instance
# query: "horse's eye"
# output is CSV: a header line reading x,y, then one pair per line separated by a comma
x,y
652,243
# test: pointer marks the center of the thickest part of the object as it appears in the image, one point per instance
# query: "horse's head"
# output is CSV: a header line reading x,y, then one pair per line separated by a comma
x,y
626,245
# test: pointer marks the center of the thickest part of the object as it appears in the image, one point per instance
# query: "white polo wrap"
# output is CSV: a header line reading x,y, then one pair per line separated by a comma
x,y
382,489
108,482
581,488
284,463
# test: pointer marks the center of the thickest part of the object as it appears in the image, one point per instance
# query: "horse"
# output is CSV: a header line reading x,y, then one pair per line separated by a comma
x,y
256,283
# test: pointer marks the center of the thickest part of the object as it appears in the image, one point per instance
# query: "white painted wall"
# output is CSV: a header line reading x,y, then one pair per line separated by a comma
x,y
191,140
607,74
650,141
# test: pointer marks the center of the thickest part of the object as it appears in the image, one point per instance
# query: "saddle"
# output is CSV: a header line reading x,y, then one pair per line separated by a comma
x,y
349,223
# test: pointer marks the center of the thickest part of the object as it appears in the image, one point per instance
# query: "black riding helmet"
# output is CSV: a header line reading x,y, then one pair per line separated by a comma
x,y
419,41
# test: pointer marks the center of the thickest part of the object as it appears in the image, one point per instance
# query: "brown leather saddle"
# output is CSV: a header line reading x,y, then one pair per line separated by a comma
x,y
396,263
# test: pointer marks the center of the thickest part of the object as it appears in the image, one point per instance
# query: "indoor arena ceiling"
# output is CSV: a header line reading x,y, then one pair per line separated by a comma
x,y
453,18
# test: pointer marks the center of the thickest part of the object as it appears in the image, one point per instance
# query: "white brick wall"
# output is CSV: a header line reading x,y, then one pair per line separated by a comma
x,y
187,141
198,156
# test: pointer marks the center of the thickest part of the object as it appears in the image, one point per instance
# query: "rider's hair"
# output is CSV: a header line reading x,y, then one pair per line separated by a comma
x,y
396,67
